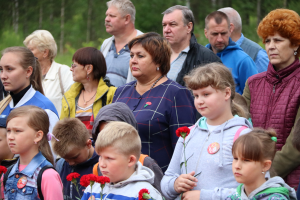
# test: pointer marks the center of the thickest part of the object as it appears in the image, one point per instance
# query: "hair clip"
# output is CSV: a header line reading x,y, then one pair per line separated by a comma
x,y
274,138
36,58
50,135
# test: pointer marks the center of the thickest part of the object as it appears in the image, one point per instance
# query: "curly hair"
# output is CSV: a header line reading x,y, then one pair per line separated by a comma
x,y
285,22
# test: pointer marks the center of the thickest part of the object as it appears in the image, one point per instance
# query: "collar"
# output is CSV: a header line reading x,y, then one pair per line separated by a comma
x,y
186,50
26,97
29,170
240,40
17,97
113,47
52,71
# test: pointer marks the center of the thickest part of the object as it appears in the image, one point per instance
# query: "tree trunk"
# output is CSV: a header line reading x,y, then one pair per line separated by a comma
x,y
285,3
258,10
51,13
62,16
41,16
88,31
188,4
25,16
16,15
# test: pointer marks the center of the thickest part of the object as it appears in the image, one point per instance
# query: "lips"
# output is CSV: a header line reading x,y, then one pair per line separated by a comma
x,y
134,68
11,144
5,83
237,174
104,172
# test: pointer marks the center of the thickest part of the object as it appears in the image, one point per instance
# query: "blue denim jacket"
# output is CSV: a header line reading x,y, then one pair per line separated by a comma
x,y
31,171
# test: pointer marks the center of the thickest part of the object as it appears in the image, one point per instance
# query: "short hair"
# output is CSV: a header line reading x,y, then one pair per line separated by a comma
x,y
124,6
157,46
42,40
218,16
285,22
70,133
216,75
187,14
91,56
122,136
234,17
256,145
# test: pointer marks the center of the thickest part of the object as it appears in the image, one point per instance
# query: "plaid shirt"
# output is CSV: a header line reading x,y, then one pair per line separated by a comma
x,y
159,112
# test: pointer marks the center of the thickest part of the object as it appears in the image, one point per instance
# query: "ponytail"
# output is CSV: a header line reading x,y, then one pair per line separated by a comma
x,y
36,76
238,110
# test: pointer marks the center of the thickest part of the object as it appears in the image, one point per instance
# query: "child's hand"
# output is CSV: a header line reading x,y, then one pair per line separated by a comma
x,y
185,182
195,194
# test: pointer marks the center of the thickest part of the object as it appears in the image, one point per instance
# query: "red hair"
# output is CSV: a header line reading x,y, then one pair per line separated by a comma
x,y
285,22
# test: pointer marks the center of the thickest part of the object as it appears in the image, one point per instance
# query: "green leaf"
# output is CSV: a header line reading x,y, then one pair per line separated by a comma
x,y
197,174
181,164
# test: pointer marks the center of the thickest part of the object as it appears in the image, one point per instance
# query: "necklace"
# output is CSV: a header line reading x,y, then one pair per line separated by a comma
x,y
85,102
153,83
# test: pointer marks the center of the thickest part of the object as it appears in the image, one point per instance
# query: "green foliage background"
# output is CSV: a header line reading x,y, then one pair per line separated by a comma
x,y
35,15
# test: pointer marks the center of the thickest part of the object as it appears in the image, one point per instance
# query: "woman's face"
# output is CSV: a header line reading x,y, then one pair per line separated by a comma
x,y
36,52
79,72
280,51
141,63
13,76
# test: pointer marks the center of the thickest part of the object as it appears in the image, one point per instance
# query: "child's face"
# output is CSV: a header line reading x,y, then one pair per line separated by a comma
x,y
248,172
79,155
5,152
115,165
20,137
210,102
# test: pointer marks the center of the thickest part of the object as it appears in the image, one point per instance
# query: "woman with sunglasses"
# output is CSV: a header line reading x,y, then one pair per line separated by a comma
x,y
90,92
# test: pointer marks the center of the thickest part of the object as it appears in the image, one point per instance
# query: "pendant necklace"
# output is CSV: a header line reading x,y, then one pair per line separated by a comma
x,y
85,102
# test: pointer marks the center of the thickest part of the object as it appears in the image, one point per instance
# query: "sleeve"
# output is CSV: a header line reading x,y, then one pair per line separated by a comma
x,y
286,160
247,68
158,174
53,118
262,61
52,187
172,173
246,95
67,77
87,193
183,113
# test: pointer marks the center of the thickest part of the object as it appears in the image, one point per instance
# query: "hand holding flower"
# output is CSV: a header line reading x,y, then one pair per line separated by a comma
x,y
185,182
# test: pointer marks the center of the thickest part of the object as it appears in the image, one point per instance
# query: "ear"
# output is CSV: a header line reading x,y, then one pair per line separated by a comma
x,y
89,143
132,160
127,19
189,27
231,27
46,53
29,71
89,69
205,33
38,136
227,92
267,165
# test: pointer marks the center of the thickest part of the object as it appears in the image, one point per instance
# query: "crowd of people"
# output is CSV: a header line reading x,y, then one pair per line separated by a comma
x,y
161,117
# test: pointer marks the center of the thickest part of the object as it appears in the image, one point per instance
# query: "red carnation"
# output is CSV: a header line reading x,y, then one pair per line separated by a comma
x,y
102,180
85,180
3,169
183,132
72,176
144,194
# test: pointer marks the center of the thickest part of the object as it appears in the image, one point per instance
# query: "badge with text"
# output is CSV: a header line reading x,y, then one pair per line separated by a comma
x,y
22,182
213,148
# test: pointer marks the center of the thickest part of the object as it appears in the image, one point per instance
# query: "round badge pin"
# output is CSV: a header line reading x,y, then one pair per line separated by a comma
x,y
213,148
22,182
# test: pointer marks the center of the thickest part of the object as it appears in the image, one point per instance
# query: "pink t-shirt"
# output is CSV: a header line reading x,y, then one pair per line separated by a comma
x,y
52,187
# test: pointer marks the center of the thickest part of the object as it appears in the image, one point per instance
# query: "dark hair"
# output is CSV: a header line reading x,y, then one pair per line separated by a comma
x,y
157,46
219,77
218,16
256,145
38,121
27,59
91,56
187,14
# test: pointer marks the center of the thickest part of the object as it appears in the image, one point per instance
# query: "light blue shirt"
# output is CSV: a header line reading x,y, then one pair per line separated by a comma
x,y
262,59
176,65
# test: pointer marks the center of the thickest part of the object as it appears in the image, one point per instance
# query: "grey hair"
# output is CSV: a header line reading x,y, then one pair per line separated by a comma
x,y
234,17
124,6
187,14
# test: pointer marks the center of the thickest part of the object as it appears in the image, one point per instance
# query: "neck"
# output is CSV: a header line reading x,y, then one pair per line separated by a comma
x,y
125,35
45,66
178,47
235,36
26,157
90,86
91,152
280,67
143,86
222,118
252,186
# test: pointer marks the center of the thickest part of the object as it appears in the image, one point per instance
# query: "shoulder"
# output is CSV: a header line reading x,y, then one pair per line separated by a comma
x,y
41,101
138,186
50,174
255,77
125,88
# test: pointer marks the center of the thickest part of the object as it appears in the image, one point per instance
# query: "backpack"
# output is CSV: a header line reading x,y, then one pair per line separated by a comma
x,y
39,178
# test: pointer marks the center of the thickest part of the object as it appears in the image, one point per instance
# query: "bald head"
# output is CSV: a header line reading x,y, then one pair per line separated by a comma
x,y
234,18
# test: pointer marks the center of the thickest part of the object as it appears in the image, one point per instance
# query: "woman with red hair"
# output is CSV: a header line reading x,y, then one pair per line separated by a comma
x,y
273,96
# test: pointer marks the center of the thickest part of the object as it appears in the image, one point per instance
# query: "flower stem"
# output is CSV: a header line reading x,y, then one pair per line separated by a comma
x,y
185,163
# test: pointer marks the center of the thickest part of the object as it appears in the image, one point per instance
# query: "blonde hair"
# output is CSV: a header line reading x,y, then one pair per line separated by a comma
x,y
122,136
42,40
124,6
38,120
219,77
71,133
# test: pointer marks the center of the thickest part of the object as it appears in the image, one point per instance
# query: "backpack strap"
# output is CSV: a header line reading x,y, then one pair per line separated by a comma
x,y
39,180
60,83
142,158
95,169
237,134
5,177
59,165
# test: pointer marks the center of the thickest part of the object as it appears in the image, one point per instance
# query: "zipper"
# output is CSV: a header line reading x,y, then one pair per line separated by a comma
x,y
202,150
274,89
270,103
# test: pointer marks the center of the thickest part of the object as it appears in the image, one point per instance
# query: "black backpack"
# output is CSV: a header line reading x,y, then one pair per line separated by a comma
x,y
39,178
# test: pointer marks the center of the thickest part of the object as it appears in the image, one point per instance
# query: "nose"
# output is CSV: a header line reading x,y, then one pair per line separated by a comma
x,y
107,19
166,29
133,60
237,164
2,74
101,162
219,38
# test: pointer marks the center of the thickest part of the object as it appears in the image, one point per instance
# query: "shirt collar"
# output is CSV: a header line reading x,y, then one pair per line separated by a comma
x,y
186,50
239,41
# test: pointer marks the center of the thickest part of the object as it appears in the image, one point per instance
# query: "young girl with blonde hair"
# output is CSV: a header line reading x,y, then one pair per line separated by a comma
x,y
253,156
27,129
208,146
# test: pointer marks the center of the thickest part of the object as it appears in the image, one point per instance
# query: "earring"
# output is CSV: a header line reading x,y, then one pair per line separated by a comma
x,y
35,142
263,172
157,68
295,52
87,77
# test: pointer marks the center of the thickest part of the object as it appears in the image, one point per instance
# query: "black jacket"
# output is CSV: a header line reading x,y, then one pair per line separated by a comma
x,y
198,55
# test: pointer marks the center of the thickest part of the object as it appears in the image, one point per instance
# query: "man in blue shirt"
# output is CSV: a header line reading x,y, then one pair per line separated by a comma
x,y
256,52
217,31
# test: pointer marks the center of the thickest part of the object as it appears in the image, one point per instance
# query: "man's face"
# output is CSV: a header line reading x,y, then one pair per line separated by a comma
x,y
174,29
217,35
114,21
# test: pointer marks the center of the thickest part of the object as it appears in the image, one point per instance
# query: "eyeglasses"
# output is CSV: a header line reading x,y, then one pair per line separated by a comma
x,y
73,66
